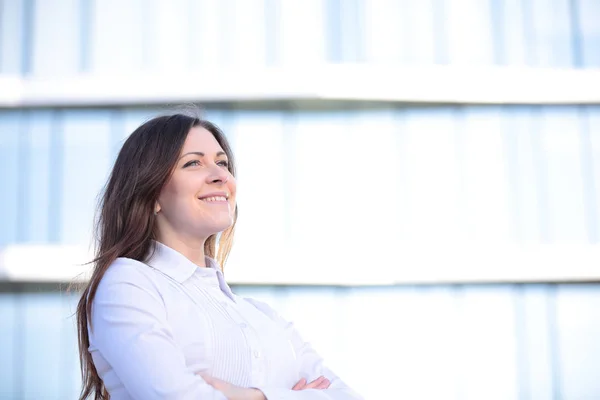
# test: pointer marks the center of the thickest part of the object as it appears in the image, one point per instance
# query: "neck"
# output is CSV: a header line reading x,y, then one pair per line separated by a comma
x,y
193,250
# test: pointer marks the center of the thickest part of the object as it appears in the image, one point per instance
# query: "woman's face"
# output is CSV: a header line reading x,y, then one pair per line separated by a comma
x,y
199,198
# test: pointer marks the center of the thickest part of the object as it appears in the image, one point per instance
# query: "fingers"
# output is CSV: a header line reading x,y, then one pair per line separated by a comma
x,y
315,383
319,383
300,385
324,384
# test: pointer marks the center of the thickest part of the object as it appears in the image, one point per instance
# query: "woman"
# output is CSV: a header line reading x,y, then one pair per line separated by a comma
x,y
157,320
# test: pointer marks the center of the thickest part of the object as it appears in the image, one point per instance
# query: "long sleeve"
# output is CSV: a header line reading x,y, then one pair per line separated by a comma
x,y
130,331
311,367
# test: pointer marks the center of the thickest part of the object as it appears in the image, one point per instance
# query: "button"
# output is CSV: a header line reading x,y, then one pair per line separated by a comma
x,y
256,354
243,325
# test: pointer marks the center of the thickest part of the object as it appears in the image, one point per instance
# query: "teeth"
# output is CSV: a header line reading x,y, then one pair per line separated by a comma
x,y
216,198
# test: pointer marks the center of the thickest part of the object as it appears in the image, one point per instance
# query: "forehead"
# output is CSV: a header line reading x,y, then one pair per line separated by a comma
x,y
200,139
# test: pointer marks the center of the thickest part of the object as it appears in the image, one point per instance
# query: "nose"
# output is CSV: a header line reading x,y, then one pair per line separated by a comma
x,y
218,175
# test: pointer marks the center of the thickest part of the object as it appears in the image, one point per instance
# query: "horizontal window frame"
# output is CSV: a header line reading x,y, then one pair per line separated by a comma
x,y
325,83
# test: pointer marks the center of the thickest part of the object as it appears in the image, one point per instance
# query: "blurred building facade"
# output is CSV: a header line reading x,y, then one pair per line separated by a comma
x,y
437,160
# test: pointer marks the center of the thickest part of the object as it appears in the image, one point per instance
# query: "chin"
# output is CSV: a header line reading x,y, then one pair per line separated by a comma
x,y
217,226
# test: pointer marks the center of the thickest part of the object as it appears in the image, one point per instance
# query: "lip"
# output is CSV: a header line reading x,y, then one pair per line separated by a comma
x,y
214,194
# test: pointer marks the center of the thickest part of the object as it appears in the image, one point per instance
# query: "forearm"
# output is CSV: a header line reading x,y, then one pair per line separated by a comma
x,y
258,394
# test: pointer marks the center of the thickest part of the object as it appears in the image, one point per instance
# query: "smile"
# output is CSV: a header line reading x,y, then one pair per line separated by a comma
x,y
215,199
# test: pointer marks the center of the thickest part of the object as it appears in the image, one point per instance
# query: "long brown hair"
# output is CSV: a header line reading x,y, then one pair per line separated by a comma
x,y
126,223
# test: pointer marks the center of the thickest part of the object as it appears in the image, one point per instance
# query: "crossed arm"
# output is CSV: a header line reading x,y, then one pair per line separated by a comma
x,y
131,332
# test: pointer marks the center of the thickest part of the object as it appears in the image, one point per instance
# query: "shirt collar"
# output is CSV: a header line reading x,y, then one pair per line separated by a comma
x,y
177,266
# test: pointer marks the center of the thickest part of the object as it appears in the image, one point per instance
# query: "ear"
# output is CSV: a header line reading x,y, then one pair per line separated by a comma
x,y
157,208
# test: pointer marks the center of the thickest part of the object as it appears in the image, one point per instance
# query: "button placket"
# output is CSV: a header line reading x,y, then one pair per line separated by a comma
x,y
232,310
255,350
256,355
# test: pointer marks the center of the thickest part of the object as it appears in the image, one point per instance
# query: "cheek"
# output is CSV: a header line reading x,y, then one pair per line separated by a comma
x,y
172,195
232,189
232,185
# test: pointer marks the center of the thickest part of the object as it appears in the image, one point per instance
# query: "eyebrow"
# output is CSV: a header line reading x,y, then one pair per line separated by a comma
x,y
201,154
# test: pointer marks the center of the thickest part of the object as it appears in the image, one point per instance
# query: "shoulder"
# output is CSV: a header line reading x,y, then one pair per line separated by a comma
x,y
126,274
126,270
126,294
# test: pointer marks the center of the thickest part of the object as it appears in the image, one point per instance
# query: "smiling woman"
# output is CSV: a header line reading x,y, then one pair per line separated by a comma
x,y
157,319
199,198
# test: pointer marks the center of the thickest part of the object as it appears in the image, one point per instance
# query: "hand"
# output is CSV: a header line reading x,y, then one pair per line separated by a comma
x,y
233,392
319,383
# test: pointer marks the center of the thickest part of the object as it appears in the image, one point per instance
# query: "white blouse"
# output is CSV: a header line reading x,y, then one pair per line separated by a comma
x,y
156,324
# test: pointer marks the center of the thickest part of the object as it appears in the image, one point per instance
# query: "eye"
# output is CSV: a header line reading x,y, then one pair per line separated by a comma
x,y
223,163
193,163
